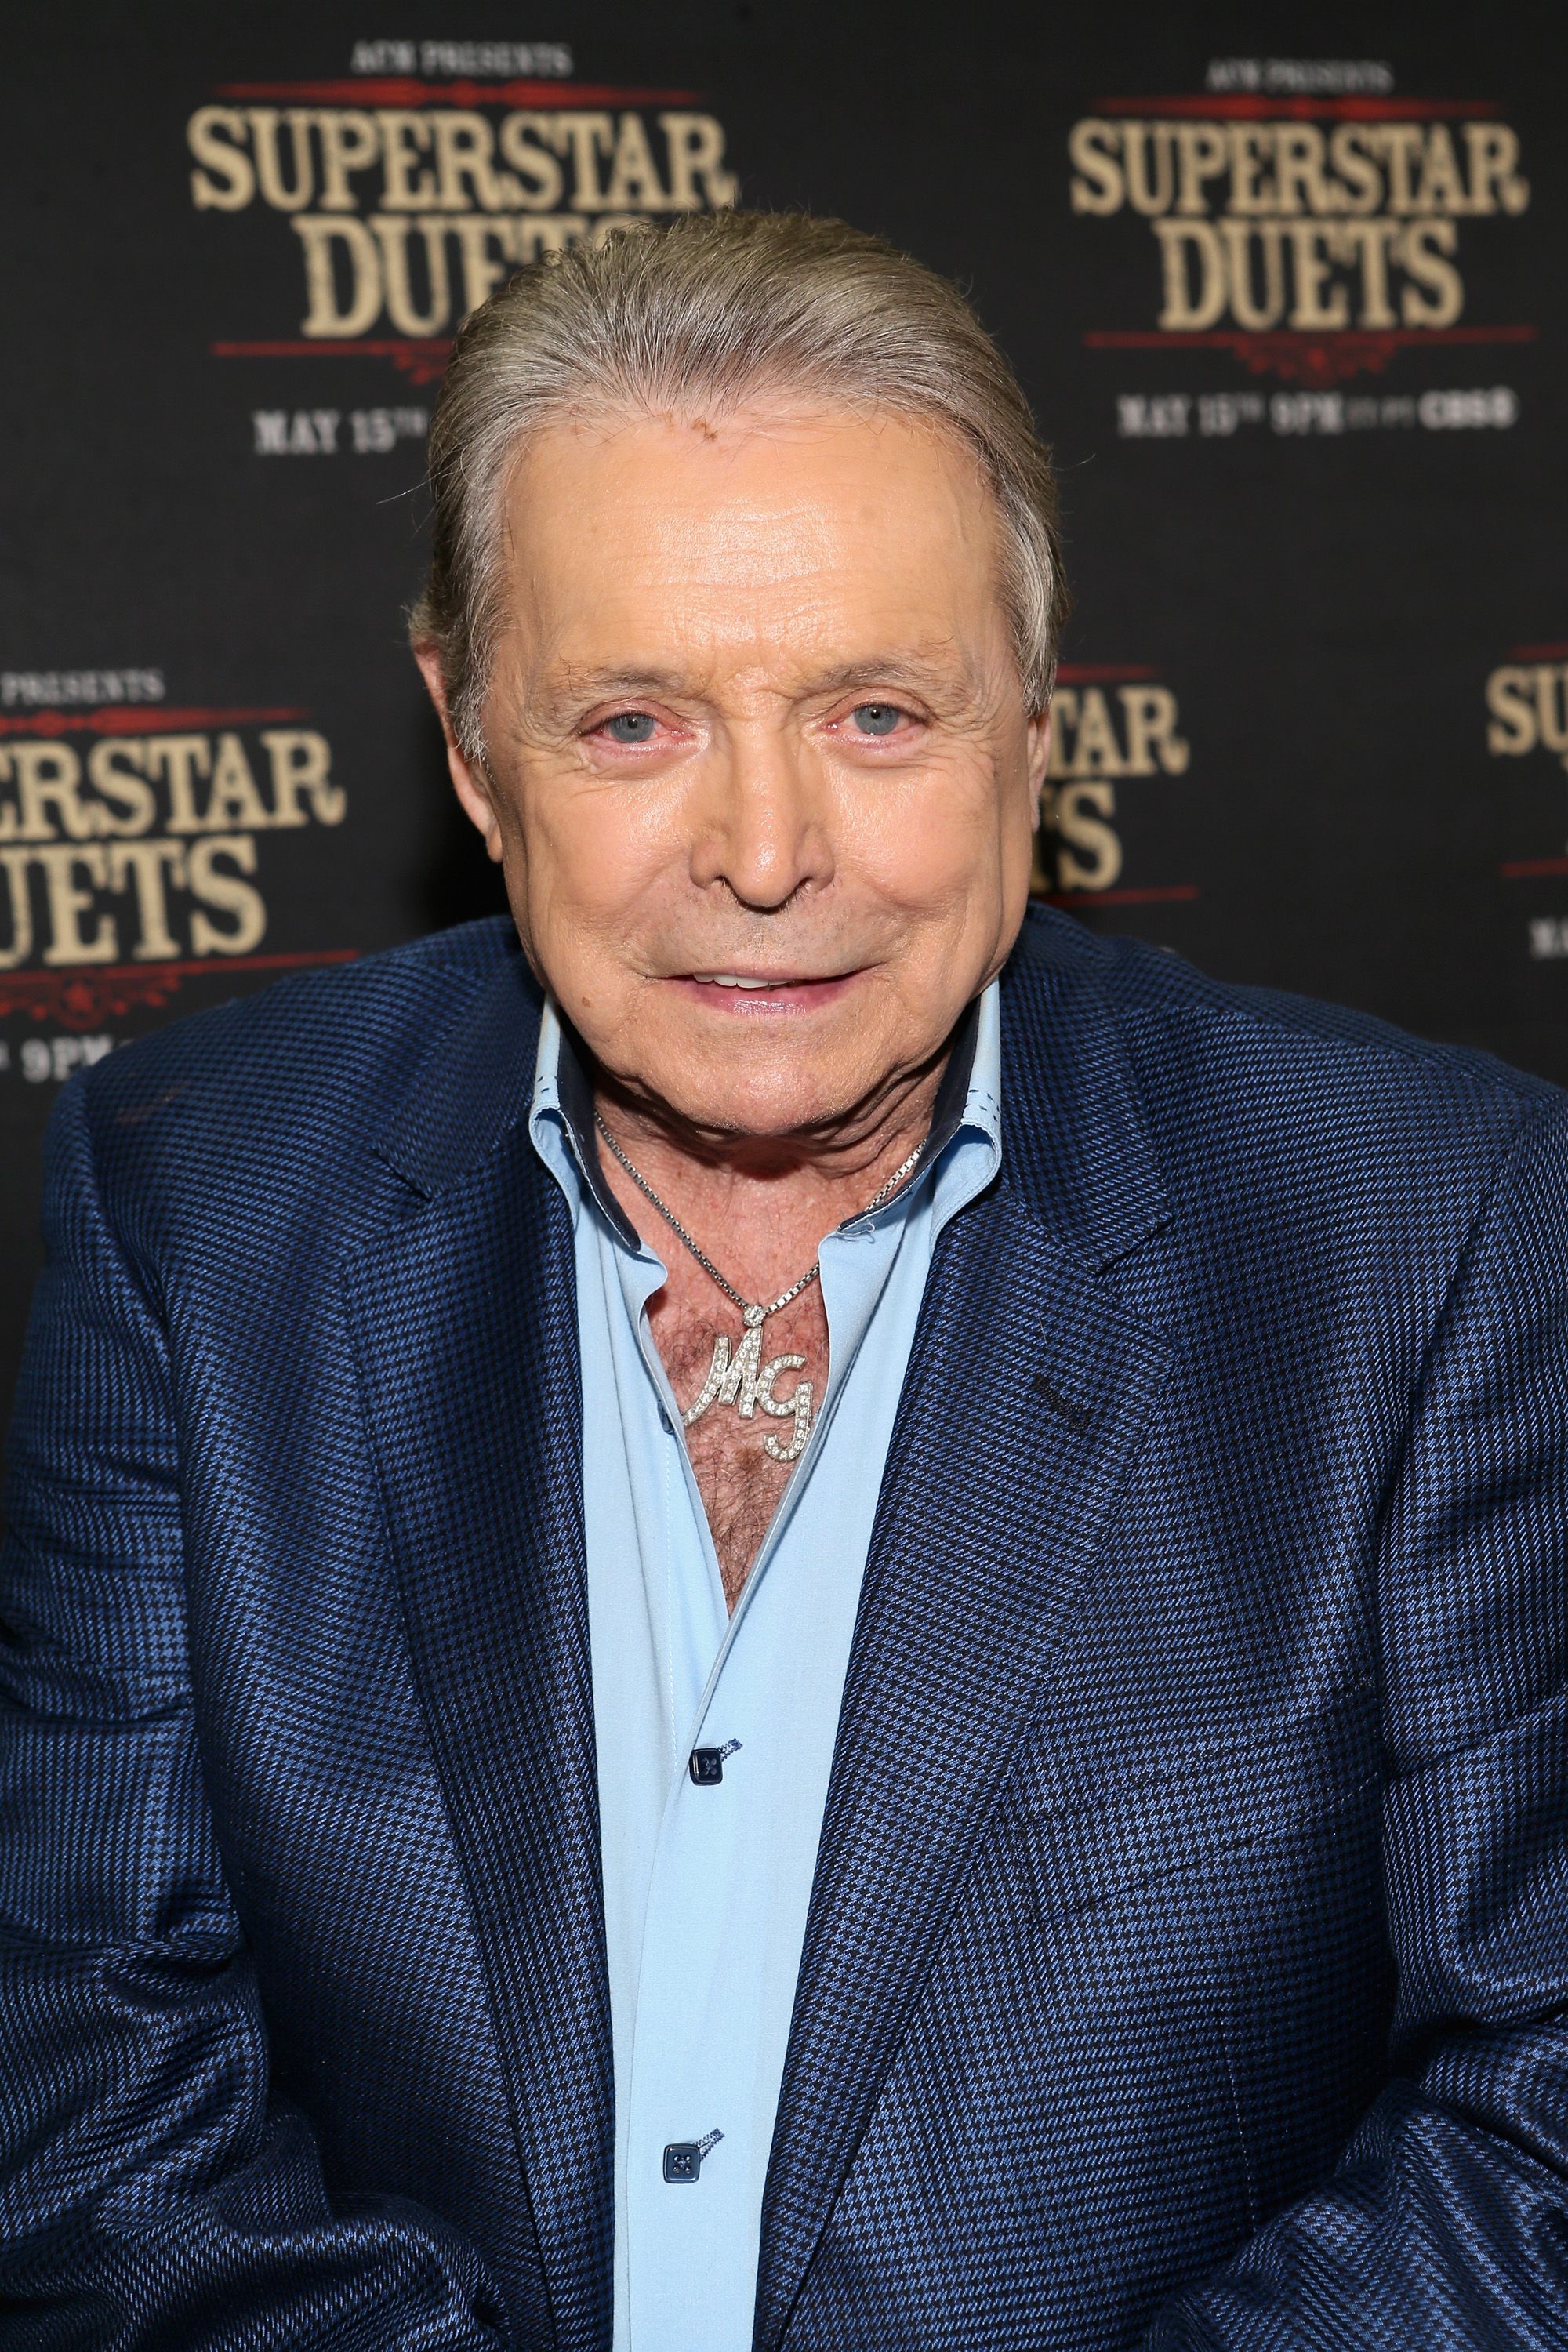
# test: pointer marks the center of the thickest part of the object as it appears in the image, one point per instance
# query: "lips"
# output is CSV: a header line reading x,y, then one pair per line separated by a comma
x,y
762,993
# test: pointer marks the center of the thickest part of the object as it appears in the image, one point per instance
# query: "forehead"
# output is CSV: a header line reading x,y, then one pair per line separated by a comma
x,y
776,529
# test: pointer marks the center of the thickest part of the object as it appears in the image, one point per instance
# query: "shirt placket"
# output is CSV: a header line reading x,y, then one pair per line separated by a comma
x,y
699,2137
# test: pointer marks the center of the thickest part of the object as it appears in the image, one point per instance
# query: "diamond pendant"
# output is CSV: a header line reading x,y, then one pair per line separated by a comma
x,y
743,1381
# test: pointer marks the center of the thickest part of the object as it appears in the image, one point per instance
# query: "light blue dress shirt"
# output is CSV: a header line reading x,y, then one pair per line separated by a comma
x,y
705,1888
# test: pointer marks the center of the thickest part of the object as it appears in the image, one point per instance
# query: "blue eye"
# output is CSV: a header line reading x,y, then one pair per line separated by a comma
x,y
630,727
876,718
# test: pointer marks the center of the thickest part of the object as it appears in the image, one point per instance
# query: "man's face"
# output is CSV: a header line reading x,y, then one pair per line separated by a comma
x,y
755,718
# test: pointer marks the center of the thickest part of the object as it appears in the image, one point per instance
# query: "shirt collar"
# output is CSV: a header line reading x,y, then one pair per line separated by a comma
x,y
969,1096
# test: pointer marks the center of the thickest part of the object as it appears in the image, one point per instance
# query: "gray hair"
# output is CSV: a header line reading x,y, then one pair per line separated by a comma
x,y
711,313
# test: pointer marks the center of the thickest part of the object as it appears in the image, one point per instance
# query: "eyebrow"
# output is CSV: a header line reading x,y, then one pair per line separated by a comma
x,y
921,674
556,703
936,675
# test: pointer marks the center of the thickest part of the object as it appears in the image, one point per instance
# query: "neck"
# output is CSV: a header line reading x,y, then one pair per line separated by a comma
x,y
760,1205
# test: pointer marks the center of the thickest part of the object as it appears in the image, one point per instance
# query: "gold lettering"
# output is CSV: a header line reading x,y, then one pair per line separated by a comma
x,y
1076,830
207,134
633,177
1201,151
318,236
1096,751
1512,727
1150,192
227,894
584,137
1184,311
234,799
48,777
1249,143
1301,184
283,198
145,863
542,176
349,143
1311,309
1401,144
122,787
1419,250
181,759
1148,714
1369,243
301,762
484,270
1442,188
465,144
392,235
695,144
1269,308
1099,187
14,862
1064,714
1493,153
1360,181
404,138
1551,700
68,902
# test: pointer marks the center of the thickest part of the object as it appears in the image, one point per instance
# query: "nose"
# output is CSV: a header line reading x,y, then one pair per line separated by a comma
x,y
761,830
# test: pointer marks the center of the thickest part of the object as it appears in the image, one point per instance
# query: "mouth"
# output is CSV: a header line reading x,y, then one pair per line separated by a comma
x,y
762,994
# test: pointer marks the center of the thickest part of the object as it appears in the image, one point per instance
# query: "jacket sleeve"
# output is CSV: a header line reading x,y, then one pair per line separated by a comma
x,y
1445,2223
152,2194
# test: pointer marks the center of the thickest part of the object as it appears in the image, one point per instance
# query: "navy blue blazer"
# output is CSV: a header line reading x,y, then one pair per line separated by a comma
x,y
1189,1940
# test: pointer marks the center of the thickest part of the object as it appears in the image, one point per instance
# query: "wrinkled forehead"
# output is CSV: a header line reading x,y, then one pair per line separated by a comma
x,y
774,532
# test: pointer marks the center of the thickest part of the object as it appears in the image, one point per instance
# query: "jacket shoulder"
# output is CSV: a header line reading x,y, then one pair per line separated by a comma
x,y
294,1084
1257,1106
1169,1010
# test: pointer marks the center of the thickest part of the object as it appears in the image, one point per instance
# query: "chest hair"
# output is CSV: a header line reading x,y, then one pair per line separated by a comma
x,y
739,1480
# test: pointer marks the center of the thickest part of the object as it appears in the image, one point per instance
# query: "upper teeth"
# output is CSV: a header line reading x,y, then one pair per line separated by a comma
x,y
729,980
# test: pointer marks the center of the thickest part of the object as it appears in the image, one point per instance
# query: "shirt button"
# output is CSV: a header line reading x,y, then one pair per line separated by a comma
x,y
683,2157
706,1765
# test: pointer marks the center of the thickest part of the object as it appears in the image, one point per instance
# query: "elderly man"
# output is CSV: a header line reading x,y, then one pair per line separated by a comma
x,y
821,1616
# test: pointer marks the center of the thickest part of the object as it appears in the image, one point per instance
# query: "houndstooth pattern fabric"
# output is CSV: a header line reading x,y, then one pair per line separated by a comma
x,y
1189,1942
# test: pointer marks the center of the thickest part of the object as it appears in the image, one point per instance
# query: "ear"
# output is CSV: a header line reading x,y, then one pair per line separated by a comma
x,y
469,781
1039,753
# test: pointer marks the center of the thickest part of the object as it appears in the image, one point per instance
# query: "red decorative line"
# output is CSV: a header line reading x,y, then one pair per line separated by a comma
x,y
1538,653
1154,339
1251,106
137,719
1173,891
1526,869
1101,673
78,998
422,361
1296,354
399,90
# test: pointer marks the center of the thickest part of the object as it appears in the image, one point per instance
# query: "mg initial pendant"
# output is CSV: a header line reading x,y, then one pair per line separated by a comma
x,y
743,1381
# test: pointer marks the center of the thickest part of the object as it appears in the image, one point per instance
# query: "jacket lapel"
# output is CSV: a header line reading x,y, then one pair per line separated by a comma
x,y
1038,1385
465,1327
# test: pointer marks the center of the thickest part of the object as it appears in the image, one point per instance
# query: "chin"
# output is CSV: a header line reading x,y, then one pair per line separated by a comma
x,y
774,1103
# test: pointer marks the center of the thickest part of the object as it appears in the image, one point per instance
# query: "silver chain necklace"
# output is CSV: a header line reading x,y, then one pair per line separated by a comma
x,y
742,1379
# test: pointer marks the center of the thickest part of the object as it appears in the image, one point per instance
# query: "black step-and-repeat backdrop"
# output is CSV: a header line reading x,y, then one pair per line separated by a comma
x,y
1288,293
